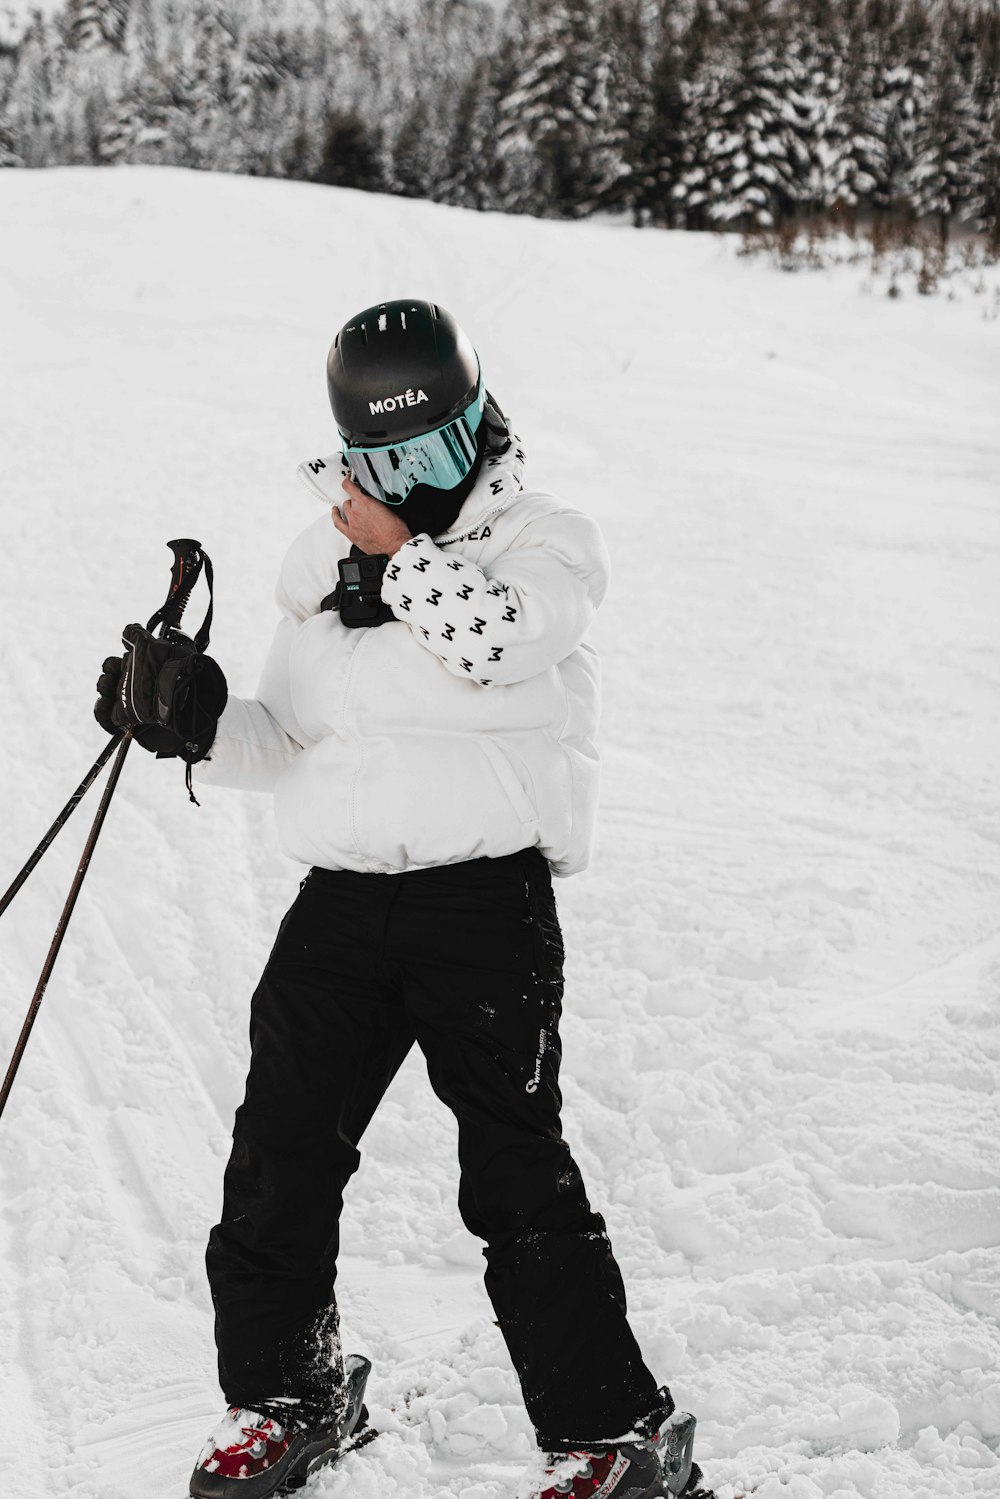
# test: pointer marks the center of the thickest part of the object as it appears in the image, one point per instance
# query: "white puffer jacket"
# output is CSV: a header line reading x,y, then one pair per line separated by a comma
x,y
465,729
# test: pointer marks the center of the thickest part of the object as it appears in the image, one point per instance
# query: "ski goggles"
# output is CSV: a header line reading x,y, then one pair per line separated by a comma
x,y
442,458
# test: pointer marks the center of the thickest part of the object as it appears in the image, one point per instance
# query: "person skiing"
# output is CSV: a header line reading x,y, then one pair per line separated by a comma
x,y
425,720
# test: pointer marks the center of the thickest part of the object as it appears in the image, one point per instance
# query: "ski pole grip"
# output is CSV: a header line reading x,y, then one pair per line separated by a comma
x,y
189,560
184,574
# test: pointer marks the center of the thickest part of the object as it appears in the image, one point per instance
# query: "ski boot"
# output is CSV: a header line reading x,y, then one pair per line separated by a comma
x,y
252,1456
654,1466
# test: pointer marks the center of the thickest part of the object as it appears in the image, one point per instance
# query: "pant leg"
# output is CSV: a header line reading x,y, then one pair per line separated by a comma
x,y
480,952
328,1033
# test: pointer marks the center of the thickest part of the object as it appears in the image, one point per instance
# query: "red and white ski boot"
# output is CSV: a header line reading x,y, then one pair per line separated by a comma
x,y
655,1467
252,1456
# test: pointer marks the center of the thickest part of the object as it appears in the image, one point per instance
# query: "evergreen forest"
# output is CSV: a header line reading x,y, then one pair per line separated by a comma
x,y
695,114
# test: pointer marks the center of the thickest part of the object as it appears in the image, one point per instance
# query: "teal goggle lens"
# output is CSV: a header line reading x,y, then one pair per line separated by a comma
x,y
442,458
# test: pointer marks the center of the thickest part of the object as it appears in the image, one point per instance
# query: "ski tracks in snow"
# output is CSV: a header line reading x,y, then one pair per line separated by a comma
x,y
115,1141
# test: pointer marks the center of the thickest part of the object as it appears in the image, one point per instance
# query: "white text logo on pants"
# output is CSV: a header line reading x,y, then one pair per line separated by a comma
x,y
532,1087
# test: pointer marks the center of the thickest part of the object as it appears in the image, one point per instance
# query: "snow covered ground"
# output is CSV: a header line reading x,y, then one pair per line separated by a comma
x,y
782,1034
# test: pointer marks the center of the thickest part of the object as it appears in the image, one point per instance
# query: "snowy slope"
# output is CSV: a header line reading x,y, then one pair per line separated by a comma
x,y
782,1037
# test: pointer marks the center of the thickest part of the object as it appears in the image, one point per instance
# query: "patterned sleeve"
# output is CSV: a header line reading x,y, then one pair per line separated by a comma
x,y
526,614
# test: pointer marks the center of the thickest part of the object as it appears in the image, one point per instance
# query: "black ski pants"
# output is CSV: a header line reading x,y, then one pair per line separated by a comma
x,y
466,960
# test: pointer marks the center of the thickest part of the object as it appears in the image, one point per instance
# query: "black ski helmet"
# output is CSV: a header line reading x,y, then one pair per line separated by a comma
x,y
398,370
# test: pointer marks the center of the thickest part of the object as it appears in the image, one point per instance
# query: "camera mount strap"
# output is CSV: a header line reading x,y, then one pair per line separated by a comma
x,y
358,594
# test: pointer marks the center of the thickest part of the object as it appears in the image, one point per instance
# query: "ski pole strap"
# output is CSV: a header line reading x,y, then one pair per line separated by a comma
x,y
189,560
202,637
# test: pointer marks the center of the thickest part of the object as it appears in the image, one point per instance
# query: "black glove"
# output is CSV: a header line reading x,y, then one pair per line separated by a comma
x,y
108,683
168,693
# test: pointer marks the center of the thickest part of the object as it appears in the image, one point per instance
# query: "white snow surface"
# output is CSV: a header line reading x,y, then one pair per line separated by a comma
x,y
781,1023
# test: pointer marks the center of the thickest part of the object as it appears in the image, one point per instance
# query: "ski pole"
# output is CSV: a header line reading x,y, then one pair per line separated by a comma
x,y
36,1000
189,560
61,820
